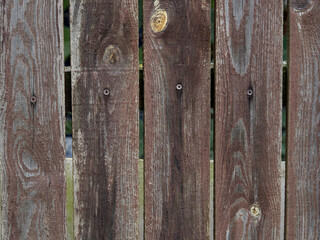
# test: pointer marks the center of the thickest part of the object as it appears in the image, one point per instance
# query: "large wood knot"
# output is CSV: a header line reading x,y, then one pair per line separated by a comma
x,y
159,20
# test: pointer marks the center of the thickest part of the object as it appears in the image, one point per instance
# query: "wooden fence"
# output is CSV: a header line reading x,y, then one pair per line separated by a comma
x,y
251,200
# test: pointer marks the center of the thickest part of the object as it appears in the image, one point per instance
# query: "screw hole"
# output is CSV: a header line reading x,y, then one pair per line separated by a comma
x,y
250,92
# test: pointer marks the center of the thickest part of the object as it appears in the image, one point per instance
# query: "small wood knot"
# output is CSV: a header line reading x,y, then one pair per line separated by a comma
x,y
112,59
159,20
112,55
255,210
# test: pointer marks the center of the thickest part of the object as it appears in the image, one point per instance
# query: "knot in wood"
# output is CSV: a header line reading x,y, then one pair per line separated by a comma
x,y
112,55
255,211
159,20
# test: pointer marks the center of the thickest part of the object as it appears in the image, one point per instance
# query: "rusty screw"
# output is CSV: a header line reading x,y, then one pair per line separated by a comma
x,y
33,99
106,92
179,86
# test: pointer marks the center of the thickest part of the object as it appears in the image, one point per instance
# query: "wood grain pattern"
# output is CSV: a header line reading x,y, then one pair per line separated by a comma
x,y
303,185
105,118
248,119
32,130
177,118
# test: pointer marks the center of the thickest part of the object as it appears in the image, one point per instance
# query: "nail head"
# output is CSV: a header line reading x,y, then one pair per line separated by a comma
x,y
33,99
250,92
179,86
106,92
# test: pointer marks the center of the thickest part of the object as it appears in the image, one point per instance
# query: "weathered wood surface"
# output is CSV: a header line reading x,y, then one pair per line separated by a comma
x,y
105,118
69,194
177,118
248,119
303,185
32,120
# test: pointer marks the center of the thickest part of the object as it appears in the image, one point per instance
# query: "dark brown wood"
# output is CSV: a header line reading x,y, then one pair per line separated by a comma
x,y
105,88
248,119
177,118
32,120
303,165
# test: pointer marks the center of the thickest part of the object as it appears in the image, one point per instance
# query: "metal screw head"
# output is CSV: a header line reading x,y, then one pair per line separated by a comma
x,y
179,86
250,92
33,99
106,92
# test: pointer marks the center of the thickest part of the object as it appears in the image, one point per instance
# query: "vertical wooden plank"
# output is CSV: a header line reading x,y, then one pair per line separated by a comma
x,y
32,120
248,119
177,118
303,185
105,118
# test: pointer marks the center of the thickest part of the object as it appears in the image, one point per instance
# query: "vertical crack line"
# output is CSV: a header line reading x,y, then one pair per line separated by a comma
x,y
33,113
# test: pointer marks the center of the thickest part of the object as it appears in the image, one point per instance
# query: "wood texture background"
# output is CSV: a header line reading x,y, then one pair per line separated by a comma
x,y
105,127
249,186
248,127
32,134
303,175
177,122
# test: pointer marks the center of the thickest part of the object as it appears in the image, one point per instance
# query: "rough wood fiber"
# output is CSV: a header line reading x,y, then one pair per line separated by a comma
x,y
303,175
32,133
248,119
177,118
105,118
